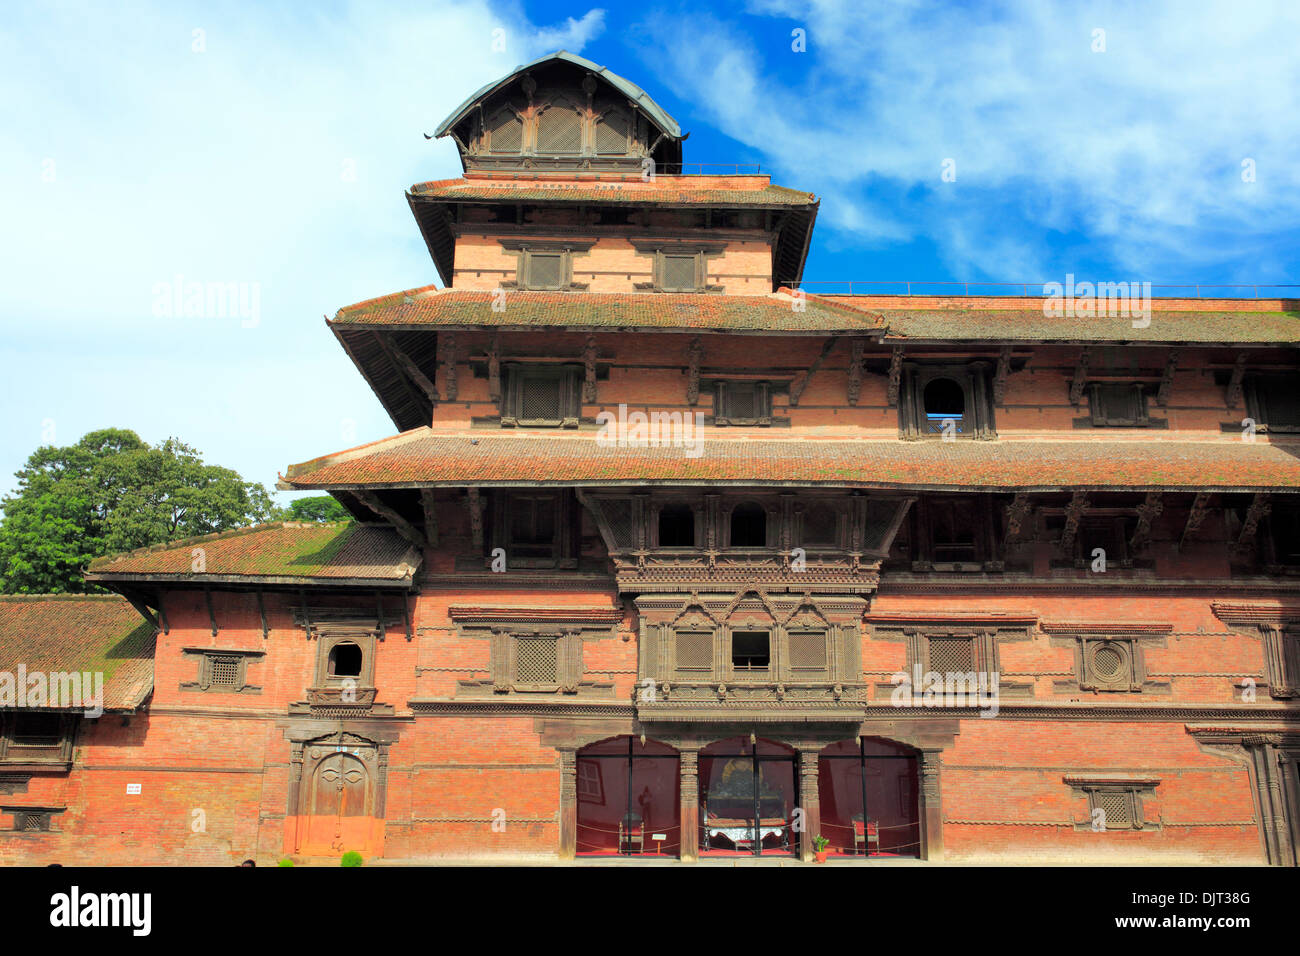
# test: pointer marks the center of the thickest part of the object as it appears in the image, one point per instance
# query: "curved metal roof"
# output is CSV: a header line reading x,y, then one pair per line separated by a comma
x,y
626,87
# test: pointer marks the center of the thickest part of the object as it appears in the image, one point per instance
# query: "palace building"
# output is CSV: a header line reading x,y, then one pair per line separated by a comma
x,y
669,557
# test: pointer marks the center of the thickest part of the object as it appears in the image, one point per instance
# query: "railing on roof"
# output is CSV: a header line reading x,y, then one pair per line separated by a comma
x,y
707,169
909,287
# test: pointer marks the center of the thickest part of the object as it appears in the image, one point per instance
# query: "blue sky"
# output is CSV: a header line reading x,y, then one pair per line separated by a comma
x,y
268,145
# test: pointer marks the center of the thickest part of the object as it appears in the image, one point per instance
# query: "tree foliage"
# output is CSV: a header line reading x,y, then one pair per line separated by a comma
x,y
317,508
113,492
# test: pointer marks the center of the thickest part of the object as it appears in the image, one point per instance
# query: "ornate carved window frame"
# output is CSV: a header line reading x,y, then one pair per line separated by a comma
x,y
210,658
1278,629
29,819
525,249
986,633
504,628
660,250
1129,641
56,753
569,378
1100,790
563,555
1100,410
973,378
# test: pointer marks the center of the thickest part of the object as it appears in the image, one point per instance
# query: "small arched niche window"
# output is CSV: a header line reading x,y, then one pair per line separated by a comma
x,y
345,660
676,526
820,527
943,399
749,526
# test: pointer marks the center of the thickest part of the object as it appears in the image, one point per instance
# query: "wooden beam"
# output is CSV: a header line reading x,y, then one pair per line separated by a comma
x,y
1195,517
799,384
1000,376
475,504
1019,509
1167,378
406,616
379,615
212,617
407,364
403,379
895,375
1074,512
855,370
261,610
1080,376
1257,512
494,368
694,355
447,357
430,516
142,608
1235,382
400,524
1148,511
589,371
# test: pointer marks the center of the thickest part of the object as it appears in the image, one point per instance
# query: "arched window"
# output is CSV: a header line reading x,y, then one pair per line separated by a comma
x,y
345,660
611,134
676,526
749,526
505,133
943,399
559,130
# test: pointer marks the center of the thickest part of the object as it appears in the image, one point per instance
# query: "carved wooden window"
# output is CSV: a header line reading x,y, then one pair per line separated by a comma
x,y
938,401
693,651
1110,535
345,660
1115,808
821,527
951,533
751,653
504,133
536,663
1119,406
534,528
1282,541
345,656
221,671
1108,665
676,526
559,130
949,655
612,131
33,729
32,820
679,267
541,396
748,526
1273,401
742,403
807,651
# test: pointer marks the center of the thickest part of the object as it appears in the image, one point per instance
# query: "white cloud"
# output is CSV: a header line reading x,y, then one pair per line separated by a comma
x,y
1139,147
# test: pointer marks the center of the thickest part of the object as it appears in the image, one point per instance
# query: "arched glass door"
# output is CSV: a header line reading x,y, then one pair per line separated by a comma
x,y
869,798
748,796
629,799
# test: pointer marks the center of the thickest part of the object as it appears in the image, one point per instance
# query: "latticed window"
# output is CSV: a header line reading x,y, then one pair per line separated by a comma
x,y
679,274
536,661
1119,808
224,671
611,134
32,822
1273,400
541,395
544,270
505,133
559,130
821,527
1118,405
950,655
741,402
808,651
1108,665
694,650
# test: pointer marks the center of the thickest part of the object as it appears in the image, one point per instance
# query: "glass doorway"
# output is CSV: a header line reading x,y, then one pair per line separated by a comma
x,y
748,796
870,798
628,799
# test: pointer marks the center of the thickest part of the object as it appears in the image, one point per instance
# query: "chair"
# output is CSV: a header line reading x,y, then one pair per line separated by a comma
x,y
631,833
867,837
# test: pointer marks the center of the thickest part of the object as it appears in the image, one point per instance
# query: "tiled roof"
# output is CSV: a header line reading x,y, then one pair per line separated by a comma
x,y
672,190
424,457
441,308
945,319
271,553
79,632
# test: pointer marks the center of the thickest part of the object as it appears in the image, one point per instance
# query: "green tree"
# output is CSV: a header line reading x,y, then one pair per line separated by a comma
x,y
113,492
317,508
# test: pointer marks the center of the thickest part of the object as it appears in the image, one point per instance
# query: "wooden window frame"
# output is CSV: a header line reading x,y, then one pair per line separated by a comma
x,y
1257,402
207,657
504,663
563,546
748,674
972,377
1131,677
764,391
1099,414
659,253
59,752
569,380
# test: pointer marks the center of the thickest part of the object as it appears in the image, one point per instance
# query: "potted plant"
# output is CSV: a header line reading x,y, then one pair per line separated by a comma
x,y
351,858
820,843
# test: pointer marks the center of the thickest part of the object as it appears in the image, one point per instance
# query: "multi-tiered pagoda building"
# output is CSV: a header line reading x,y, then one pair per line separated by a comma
x,y
668,557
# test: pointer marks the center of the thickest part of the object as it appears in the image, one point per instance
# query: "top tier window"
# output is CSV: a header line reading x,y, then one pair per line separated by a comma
x,y
559,130
1273,400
